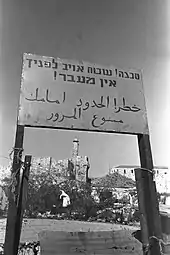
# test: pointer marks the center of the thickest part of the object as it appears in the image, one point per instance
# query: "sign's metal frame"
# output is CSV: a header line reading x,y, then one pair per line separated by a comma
x,y
147,196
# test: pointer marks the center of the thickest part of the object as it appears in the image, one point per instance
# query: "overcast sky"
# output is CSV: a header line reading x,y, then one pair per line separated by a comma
x,y
123,33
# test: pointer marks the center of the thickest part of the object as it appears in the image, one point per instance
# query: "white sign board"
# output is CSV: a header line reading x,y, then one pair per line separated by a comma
x,y
76,95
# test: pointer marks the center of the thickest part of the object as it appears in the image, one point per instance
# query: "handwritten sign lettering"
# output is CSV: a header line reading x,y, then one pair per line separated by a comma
x,y
79,95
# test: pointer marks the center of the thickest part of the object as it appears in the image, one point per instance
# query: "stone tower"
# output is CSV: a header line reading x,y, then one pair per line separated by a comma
x,y
75,153
80,165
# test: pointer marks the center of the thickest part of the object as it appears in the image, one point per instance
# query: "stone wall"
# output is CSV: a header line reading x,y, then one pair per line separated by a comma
x,y
62,169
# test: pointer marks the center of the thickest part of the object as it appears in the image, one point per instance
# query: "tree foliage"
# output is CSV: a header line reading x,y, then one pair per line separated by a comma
x,y
114,180
46,183
44,193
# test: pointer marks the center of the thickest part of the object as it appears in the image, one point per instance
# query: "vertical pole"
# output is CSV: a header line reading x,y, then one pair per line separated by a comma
x,y
22,202
13,192
147,196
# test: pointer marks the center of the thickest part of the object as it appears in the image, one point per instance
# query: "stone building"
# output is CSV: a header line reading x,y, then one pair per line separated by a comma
x,y
75,168
80,163
162,175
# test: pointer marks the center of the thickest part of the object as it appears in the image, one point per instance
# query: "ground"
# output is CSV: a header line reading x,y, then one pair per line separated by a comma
x,y
31,227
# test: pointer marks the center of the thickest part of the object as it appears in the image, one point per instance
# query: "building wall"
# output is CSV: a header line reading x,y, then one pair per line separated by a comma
x,y
129,173
56,169
82,168
162,177
60,169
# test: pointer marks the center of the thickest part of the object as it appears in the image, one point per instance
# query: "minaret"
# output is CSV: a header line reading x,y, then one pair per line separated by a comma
x,y
75,154
75,151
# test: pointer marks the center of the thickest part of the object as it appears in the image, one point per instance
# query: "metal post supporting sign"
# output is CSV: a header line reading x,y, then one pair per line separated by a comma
x,y
72,95
147,197
22,202
14,192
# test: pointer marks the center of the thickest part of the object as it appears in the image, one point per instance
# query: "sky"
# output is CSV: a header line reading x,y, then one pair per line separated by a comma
x,y
123,33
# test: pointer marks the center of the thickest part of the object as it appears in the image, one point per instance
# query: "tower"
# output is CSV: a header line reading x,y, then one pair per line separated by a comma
x,y
75,151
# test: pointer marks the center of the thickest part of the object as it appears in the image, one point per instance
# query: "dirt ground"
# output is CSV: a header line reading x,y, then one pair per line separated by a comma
x,y
31,227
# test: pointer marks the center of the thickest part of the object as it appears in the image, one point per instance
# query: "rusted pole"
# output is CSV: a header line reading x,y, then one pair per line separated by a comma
x,y
147,197
14,192
22,202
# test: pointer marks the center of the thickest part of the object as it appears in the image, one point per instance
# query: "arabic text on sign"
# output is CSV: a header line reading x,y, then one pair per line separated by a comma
x,y
100,104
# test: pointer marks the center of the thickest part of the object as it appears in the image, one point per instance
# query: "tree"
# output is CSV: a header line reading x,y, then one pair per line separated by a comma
x,y
44,187
81,199
105,194
43,193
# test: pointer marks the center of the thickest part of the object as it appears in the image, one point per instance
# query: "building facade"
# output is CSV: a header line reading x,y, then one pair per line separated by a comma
x,y
81,164
162,175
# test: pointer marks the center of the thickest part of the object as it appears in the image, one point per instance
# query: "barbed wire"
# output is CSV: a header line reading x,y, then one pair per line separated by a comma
x,y
13,179
1,156
151,171
10,154
161,243
20,150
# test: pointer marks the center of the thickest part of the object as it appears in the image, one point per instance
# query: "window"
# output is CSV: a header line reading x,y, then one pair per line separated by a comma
x,y
132,171
157,172
124,171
